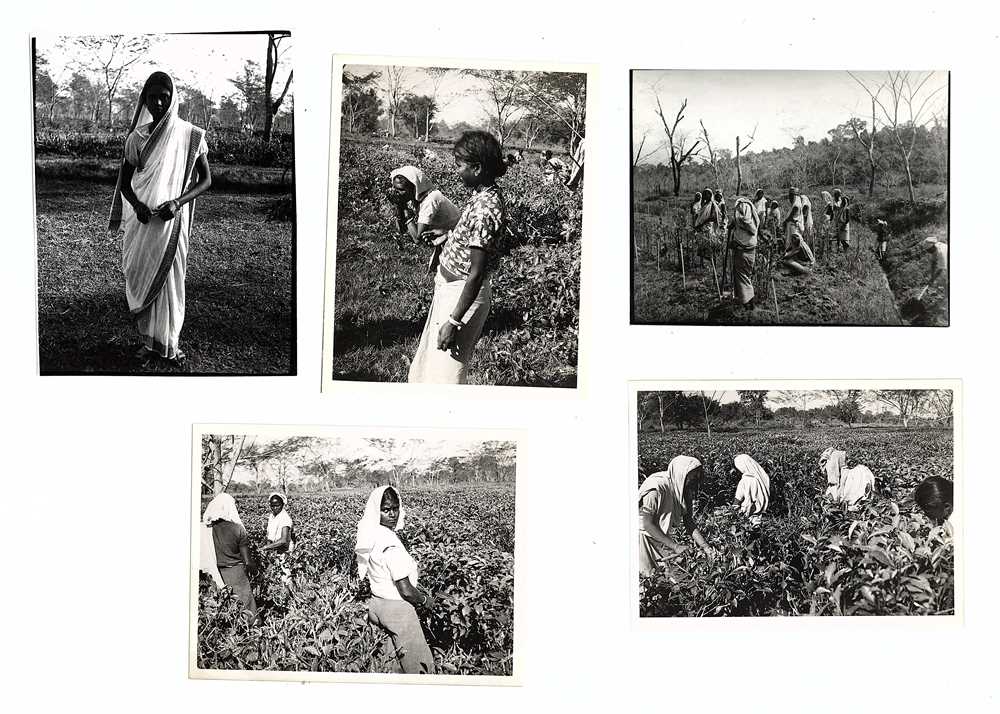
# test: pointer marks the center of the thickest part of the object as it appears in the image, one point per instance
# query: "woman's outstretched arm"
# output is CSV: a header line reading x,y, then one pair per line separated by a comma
x,y
652,529
414,595
283,540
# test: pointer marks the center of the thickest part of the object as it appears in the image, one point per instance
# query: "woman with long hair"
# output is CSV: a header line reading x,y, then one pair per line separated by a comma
x,y
463,293
163,170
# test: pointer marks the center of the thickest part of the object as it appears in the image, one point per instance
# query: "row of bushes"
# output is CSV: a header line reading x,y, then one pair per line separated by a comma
x,y
223,147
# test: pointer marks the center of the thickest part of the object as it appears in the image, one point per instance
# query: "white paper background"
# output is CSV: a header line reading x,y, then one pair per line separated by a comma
x,y
96,518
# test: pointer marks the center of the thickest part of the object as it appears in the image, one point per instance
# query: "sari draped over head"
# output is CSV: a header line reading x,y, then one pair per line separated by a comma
x,y
845,485
807,214
372,534
421,184
669,506
154,254
709,216
669,485
220,508
754,489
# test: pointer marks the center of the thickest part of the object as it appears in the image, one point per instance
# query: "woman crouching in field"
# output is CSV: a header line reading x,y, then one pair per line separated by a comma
x,y
462,289
753,492
665,500
392,573
423,213
845,485
164,169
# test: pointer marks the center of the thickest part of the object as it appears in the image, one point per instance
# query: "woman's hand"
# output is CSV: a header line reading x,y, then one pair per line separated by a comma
x,y
167,210
431,236
142,212
447,336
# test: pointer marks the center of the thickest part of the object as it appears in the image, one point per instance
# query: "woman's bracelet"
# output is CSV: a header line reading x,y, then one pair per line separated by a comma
x,y
454,322
424,601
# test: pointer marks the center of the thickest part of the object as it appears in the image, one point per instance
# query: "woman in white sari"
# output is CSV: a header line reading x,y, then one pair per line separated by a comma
x,y
392,573
664,504
753,492
164,169
845,485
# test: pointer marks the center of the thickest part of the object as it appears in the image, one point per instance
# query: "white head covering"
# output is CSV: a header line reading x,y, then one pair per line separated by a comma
x,y
141,116
673,479
827,197
221,508
757,486
414,176
930,242
284,499
370,526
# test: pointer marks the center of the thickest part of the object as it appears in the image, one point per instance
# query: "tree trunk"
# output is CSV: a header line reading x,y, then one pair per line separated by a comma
x,y
739,170
909,180
215,455
660,400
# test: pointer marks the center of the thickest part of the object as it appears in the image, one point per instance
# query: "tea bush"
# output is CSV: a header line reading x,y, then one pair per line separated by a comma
x,y
808,556
462,540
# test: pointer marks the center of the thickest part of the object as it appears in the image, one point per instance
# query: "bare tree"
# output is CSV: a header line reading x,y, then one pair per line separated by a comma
x,y
506,97
680,153
708,402
396,85
273,106
903,112
109,57
905,402
867,141
941,403
437,77
744,147
711,153
639,156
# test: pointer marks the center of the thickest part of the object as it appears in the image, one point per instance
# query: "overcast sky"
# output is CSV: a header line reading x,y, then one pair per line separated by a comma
x,y
206,62
817,399
410,454
782,104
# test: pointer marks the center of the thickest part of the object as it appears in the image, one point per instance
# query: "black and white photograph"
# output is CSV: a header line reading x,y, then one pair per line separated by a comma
x,y
457,220
790,197
838,500
323,553
131,133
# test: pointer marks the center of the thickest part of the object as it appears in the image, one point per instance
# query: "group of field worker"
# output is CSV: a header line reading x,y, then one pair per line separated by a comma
x,y
666,497
760,219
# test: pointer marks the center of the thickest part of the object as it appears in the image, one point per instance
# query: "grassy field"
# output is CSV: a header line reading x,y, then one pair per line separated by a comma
x,y
808,556
850,288
240,287
463,541
383,292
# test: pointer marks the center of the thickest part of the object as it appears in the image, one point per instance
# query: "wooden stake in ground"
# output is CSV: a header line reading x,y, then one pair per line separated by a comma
x,y
774,294
715,274
680,246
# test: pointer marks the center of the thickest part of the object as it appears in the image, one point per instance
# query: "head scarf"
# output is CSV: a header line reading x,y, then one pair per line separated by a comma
x,y
284,501
670,482
370,526
141,116
415,176
827,198
222,508
930,242
757,494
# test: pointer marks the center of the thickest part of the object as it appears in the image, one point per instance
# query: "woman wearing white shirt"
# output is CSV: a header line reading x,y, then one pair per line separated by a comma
x,y
279,535
392,574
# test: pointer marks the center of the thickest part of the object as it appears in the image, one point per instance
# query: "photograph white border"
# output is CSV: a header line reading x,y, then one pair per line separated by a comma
x,y
519,437
464,391
778,623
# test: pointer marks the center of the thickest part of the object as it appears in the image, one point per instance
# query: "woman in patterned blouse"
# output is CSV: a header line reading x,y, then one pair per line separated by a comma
x,y
462,290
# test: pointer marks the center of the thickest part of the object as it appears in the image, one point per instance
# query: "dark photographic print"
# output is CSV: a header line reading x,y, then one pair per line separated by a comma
x,y
353,552
459,222
165,209
790,197
823,501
